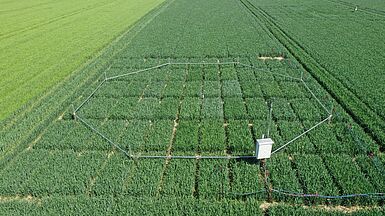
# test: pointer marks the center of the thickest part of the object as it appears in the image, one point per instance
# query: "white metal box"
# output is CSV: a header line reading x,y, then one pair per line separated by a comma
x,y
263,148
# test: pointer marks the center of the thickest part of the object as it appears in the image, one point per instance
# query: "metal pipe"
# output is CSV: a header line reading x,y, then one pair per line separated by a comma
x,y
299,136
193,157
203,63
270,119
89,97
311,92
139,71
104,137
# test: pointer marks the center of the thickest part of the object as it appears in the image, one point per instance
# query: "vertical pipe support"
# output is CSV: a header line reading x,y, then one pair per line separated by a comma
x,y
73,112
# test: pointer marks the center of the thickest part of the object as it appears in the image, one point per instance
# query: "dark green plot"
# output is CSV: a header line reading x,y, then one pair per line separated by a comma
x,y
114,89
212,89
154,89
276,63
251,89
135,89
271,89
19,207
263,75
212,136
190,108
240,139
134,135
195,73
213,180
64,173
176,74
289,131
174,89
15,175
75,205
228,73
75,135
247,178
168,108
283,177
326,141
98,108
146,178
349,177
257,108
282,109
193,89
113,177
124,108
160,74
245,75
159,134
315,176
153,206
307,110
179,179
354,138
113,129
57,132
374,169
187,135
211,73
92,141
235,108
294,89
146,108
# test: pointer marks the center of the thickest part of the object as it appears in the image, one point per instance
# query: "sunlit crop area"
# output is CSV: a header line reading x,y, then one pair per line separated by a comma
x,y
165,120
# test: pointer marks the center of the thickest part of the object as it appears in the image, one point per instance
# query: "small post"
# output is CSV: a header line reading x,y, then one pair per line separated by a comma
x,y
105,76
130,151
331,113
270,119
73,112
301,75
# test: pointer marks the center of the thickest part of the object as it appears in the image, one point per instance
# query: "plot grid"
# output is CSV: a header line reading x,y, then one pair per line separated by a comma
x,y
195,107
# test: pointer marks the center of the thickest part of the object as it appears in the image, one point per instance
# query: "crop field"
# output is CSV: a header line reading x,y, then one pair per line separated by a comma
x,y
43,41
203,79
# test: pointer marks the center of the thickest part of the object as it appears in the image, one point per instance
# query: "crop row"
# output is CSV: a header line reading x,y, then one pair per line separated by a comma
x,y
341,78
196,108
205,136
57,173
183,37
43,173
332,175
195,88
121,205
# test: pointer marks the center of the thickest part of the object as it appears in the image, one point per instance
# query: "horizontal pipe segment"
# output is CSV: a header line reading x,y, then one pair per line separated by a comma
x,y
192,157
296,194
203,63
